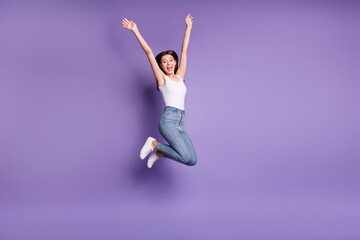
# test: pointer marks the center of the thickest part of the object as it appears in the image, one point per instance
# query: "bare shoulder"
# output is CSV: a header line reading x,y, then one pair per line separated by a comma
x,y
161,81
180,74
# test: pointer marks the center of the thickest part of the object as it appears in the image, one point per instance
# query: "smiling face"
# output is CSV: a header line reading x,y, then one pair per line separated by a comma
x,y
168,63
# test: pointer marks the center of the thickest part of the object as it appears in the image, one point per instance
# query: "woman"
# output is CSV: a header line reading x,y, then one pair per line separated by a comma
x,y
171,85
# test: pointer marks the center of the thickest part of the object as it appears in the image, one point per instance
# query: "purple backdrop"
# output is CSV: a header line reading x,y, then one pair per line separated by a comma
x,y
272,109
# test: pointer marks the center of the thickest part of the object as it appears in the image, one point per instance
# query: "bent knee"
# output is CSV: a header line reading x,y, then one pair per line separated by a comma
x,y
192,163
189,160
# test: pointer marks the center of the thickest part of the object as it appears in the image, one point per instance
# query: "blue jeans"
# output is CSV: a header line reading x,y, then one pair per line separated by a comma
x,y
172,128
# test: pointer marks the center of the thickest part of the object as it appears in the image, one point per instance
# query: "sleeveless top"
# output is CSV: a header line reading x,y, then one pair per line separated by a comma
x,y
173,93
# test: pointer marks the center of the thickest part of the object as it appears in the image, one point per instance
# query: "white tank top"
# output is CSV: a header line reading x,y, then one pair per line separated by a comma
x,y
173,93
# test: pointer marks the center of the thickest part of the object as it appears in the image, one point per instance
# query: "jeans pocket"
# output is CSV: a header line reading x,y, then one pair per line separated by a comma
x,y
170,112
181,128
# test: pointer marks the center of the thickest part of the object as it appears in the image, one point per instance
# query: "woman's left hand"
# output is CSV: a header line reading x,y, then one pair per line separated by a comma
x,y
189,20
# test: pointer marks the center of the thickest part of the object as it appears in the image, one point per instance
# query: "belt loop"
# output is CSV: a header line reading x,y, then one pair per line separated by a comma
x,y
182,114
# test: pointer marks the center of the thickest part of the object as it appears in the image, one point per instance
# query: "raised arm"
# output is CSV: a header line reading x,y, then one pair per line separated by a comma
x,y
155,67
183,59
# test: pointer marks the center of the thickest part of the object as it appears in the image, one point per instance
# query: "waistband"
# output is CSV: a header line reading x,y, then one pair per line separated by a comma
x,y
174,109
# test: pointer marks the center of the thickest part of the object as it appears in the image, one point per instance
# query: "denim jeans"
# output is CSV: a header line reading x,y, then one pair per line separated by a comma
x,y
172,128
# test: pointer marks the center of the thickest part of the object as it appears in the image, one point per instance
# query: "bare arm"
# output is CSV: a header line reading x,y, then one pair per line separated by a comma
x,y
183,59
155,67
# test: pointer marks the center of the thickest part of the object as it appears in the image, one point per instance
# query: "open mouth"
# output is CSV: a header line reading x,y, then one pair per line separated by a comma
x,y
169,68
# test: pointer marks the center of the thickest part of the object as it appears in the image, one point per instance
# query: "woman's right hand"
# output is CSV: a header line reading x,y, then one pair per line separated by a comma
x,y
129,24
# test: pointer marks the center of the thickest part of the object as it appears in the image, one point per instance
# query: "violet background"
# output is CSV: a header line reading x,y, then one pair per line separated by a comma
x,y
272,109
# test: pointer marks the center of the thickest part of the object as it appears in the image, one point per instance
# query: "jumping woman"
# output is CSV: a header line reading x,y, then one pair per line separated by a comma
x,y
169,77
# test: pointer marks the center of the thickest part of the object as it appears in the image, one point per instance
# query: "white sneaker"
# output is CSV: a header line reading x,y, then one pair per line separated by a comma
x,y
147,148
152,159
